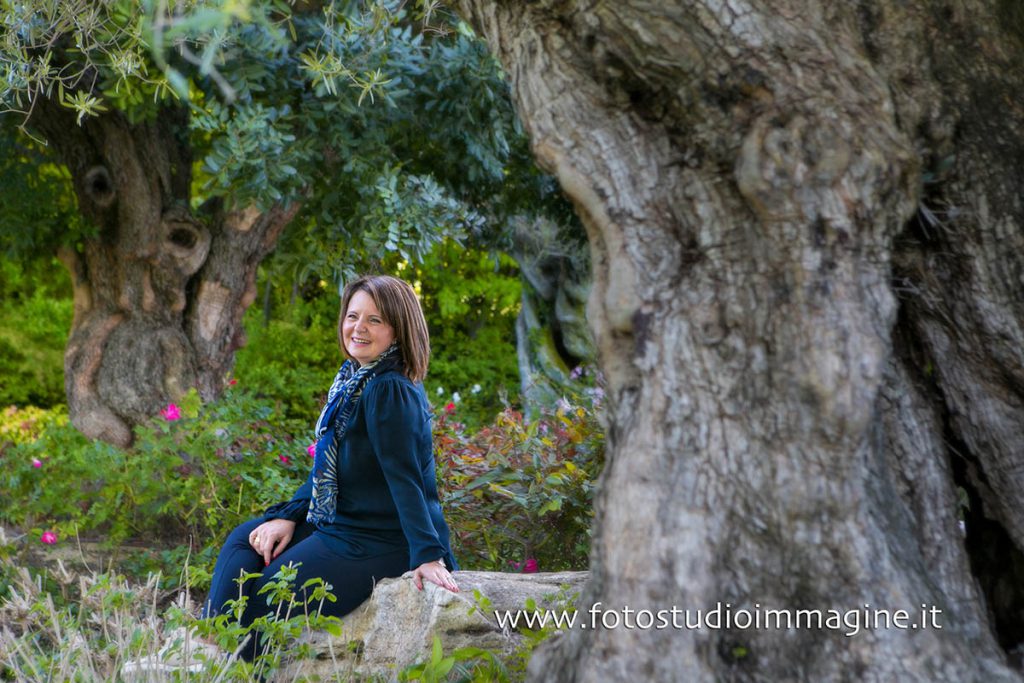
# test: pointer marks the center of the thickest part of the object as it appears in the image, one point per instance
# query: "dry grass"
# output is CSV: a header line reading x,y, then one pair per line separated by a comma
x,y
103,622
59,625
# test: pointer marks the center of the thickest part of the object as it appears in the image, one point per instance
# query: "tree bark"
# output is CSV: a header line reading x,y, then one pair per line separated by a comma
x,y
160,289
806,234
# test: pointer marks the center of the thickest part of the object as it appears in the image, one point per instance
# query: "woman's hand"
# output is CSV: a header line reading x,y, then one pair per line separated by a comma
x,y
271,537
434,572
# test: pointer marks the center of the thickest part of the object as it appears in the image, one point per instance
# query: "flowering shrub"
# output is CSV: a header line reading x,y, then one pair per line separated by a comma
x,y
518,494
193,473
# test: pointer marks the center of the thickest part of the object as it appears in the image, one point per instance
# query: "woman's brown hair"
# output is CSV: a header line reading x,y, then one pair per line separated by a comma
x,y
400,308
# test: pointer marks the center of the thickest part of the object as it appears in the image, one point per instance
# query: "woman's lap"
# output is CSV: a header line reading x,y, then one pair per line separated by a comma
x,y
351,580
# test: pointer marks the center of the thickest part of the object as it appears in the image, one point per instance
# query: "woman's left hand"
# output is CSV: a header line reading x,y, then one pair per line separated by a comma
x,y
434,572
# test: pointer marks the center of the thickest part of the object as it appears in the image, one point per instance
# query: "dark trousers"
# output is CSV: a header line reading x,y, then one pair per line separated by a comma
x,y
351,580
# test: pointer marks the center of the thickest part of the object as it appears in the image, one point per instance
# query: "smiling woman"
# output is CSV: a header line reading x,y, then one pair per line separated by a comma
x,y
370,508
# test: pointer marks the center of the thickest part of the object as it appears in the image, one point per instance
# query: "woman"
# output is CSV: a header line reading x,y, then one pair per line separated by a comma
x,y
369,509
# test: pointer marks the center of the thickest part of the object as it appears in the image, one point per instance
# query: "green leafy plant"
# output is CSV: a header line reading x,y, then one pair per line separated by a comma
x,y
462,664
35,315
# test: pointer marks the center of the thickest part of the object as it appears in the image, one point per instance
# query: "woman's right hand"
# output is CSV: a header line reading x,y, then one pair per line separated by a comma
x,y
271,538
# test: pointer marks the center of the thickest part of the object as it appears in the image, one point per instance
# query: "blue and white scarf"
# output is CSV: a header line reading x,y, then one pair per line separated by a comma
x,y
342,400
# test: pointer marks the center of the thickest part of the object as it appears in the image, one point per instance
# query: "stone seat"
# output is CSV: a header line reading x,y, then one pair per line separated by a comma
x,y
396,626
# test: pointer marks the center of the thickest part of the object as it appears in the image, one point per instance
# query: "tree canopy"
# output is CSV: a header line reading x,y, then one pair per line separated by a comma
x,y
392,126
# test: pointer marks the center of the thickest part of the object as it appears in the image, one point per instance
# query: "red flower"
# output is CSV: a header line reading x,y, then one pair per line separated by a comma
x,y
48,537
233,382
285,459
311,449
450,408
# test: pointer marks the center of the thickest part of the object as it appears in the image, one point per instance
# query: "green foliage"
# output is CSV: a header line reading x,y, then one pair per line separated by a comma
x,y
392,124
471,300
25,425
291,359
35,316
463,664
39,206
518,491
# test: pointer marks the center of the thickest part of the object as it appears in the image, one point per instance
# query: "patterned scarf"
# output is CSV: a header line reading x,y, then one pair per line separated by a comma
x,y
332,425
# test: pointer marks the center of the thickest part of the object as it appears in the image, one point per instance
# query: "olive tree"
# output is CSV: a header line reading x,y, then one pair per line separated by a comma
x,y
807,239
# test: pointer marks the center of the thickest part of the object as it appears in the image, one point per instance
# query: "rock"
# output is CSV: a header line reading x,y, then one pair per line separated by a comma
x,y
397,625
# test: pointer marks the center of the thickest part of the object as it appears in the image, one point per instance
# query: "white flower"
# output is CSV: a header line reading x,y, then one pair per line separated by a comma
x,y
440,391
475,389
456,398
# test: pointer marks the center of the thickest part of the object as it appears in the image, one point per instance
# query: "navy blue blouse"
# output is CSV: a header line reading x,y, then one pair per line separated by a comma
x,y
387,488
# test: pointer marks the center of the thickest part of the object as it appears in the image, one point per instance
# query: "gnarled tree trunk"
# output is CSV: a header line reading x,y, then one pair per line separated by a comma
x,y
159,291
808,264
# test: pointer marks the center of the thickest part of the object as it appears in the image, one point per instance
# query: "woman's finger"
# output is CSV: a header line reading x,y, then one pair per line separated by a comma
x,y
281,545
444,581
267,548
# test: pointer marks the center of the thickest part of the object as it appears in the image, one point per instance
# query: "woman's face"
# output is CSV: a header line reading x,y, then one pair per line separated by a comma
x,y
363,331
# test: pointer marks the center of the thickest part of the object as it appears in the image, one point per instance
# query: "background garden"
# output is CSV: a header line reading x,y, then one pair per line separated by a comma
x,y
423,173
198,469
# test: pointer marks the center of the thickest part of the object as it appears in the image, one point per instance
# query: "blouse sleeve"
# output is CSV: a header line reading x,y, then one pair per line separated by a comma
x,y
395,420
295,509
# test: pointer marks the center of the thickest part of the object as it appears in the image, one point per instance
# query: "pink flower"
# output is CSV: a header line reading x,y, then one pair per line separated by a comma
x,y
37,463
311,449
530,567
450,408
285,459
171,412
48,537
